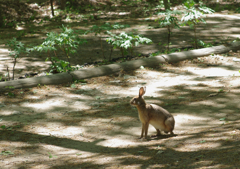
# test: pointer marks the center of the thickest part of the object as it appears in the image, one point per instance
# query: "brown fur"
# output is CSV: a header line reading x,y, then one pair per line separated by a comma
x,y
152,114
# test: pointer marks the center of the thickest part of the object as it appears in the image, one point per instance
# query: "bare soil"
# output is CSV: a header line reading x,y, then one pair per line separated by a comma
x,y
92,125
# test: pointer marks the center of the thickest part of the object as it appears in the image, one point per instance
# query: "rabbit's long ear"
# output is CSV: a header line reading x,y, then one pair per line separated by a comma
x,y
142,91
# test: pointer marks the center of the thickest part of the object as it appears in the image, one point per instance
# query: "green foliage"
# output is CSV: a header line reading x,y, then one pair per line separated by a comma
x,y
20,34
10,94
203,44
189,3
194,16
119,26
125,41
49,43
6,153
222,119
60,66
16,50
8,24
67,41
238,10
73,86
155,54
50,155
170,21
105,29
99,29
9,87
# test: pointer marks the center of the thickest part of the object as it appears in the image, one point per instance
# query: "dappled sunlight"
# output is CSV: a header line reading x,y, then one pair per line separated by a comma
x,y
184,121
56,129
3,54
56,103
228,17
118,142
90,123
212,103
212,71
8,112
135,132
199,146
46,105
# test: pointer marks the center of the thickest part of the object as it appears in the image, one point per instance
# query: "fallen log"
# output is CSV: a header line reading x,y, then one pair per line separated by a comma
x,y
32,82
113,68
176,57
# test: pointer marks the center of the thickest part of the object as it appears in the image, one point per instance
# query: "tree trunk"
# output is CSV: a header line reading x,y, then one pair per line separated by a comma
x,y
51,1
32,82
166,4
115,68
1,18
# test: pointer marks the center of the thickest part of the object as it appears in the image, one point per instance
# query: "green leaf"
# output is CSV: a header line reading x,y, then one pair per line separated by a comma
x,y
50,155
82,81
220,90
6,153
222,119
73,86
11,94
3,127
126,41
98,97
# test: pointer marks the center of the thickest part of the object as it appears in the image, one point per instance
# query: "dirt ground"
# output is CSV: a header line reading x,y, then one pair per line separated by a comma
x,y
92,125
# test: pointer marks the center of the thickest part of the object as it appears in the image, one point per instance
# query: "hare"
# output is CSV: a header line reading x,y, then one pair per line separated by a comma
x,y
152,114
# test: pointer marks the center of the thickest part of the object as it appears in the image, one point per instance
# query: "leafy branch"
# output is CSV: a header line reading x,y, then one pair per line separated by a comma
x,y
103,29
17,49
125,41
194,16
67,41
170,21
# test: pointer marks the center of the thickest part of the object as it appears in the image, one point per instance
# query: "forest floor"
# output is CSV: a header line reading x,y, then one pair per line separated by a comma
x,y
92,124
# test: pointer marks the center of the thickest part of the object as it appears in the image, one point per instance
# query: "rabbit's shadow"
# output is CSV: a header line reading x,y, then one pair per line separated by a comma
x,y
155,137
